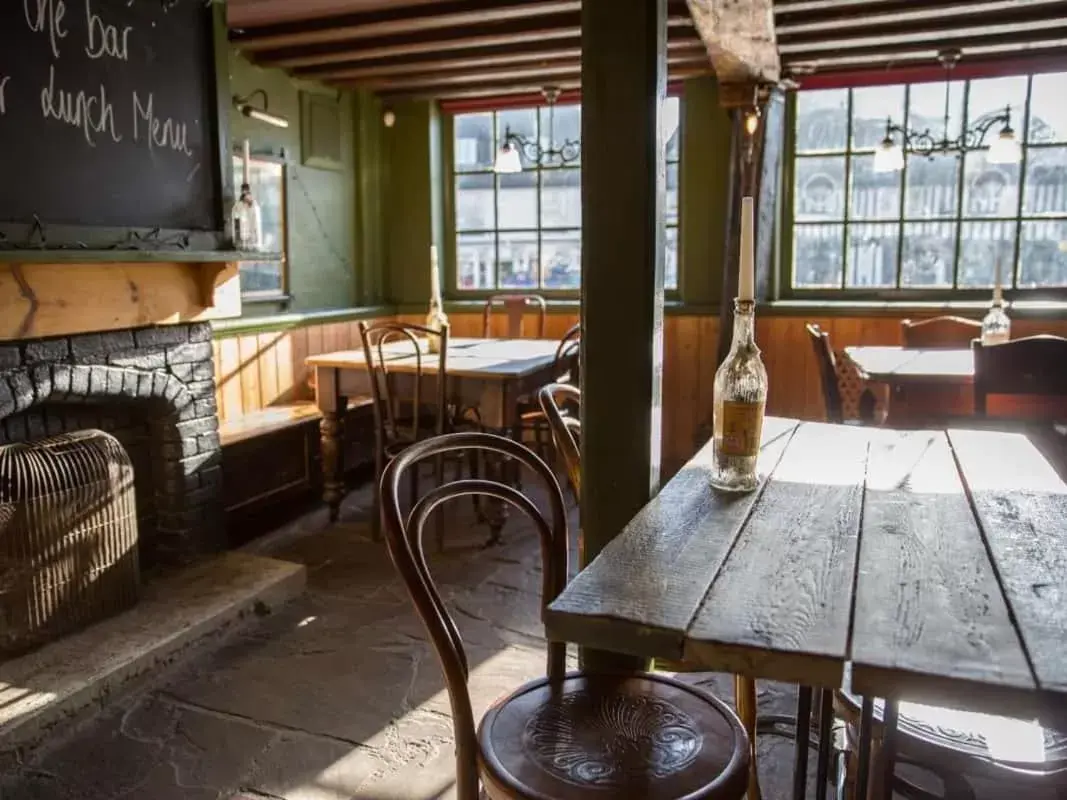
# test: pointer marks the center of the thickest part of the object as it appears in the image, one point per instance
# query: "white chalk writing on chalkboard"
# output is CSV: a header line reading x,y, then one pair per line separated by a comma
x,y
104,38
3,93
92,113
160,133
50,13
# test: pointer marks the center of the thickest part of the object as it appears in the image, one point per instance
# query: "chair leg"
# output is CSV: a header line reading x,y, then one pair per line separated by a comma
x,y
439,475
376,499
516,476
745,701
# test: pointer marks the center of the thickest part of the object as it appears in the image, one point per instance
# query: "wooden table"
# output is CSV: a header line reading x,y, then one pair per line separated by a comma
x,y
489,374
866,550
924,385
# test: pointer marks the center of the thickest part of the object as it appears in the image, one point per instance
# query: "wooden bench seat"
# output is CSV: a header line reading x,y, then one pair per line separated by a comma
x,y
277,418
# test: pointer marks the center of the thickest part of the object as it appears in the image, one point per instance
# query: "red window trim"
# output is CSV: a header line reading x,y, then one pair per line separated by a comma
x,y
933,73
527,100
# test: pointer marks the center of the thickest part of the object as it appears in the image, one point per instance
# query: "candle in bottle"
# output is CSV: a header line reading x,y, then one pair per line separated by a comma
x,y
747,279
436,319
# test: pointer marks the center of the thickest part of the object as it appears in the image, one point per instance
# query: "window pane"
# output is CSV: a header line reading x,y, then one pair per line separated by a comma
x,y
670,204
989,190
982,244
475,204
518,259
561,255
561,198
929,250
560,125
474,142
1048,112
822,120
989,96
817,256
932,186
517,200
672,128
670,259
1043,254
872,255
1046,181
476,257
820,189
875,195
870,108
522,122
926,108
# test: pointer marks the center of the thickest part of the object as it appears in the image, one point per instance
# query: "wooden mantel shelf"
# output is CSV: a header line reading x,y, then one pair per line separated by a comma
x,y
72,255
64,295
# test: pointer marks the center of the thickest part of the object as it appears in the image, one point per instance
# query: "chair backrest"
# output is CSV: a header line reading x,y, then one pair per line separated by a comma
x,y
824,357
515,306
567,366
413,388
560,403
946,332
1035,366
404,538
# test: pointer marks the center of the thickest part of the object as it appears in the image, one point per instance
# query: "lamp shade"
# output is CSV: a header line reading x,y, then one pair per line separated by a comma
x,y
1005,149
889,157
507,160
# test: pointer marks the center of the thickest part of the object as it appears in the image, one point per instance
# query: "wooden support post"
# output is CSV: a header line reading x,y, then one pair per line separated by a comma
x,y
755,164
624,74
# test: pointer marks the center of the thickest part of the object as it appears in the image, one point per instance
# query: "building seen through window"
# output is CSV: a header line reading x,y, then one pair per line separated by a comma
x,y
943,222
524,230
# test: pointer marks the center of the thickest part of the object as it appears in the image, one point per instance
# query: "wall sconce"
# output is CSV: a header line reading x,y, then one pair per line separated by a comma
x,y
389,118
244,105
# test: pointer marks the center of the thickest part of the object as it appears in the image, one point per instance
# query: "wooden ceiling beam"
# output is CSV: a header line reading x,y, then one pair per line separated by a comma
x,y
926,50
525,53
838,61
389,23
546,29
902,13
739,37
941,37
546,73
945,26
512,87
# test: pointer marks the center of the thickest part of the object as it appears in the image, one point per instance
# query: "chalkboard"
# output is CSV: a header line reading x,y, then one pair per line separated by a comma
x,y
109,115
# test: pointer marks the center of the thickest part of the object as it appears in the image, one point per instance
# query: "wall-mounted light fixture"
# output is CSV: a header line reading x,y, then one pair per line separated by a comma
x,y
389,118
244,105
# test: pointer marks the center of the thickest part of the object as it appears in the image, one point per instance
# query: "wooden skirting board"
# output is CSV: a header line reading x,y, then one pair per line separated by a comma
x,y
57,299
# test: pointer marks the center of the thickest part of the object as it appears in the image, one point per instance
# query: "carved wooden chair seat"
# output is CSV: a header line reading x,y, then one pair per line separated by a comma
x,y
568,735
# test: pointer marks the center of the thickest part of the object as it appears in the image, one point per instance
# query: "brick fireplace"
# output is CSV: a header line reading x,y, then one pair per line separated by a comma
x,y
152,388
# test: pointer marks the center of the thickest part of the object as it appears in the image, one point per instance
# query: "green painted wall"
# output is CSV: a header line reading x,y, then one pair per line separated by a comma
x,y
705,169
414,201
324,214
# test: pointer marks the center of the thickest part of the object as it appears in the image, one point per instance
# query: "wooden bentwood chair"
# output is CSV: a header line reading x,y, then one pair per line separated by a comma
x,y
515,306
569,735
560,403
1035,366
831,390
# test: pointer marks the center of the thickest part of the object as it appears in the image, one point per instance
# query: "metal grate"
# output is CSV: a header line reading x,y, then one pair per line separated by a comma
x,y
68,536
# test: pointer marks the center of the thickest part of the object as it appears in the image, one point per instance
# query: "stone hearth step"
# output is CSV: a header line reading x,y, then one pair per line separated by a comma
x,y
68,678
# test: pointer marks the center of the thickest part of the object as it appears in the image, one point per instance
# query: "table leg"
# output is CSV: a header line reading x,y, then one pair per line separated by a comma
x,y
333,406
863,748
887,752
800,759
826,721
745,702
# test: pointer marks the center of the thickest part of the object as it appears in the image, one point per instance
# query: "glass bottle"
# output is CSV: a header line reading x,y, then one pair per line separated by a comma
x,y
436,319
740,404
996,326
247,221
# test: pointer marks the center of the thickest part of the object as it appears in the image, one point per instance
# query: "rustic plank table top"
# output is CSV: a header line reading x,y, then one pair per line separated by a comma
x,y
484,359
925,564
896,365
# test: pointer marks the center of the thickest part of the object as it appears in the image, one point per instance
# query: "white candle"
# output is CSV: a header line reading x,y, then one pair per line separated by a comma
x,y
746,282
998,290
435,273
247,158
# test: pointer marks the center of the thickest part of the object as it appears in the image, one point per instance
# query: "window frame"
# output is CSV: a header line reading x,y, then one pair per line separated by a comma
x,y
452,290
281,293
787,224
